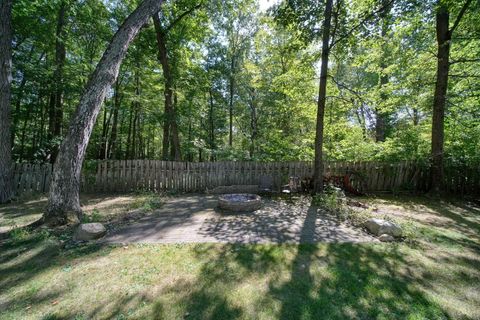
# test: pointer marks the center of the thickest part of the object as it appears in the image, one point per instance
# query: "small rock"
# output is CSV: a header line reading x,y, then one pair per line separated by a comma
x,y
380,226
89,231
386,238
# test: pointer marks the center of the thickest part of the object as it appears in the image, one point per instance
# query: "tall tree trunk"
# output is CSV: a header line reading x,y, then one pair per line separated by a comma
x,y
415,117
444,36
168,80
190,138
360,113
24,131
113,134
212,126
38,125
230,102
41,133
104,143
18,104
63,202
170,127
101,148
253,123
129,134
135,131
322,94
134,146
19,96
175,143
6,183
440,97
382,116
56,102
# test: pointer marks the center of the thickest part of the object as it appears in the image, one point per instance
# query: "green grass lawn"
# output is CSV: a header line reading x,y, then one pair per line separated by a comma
x,y
437,276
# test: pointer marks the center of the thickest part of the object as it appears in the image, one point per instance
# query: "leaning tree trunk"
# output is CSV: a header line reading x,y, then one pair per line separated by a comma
x,y
322,95
6,185
63,202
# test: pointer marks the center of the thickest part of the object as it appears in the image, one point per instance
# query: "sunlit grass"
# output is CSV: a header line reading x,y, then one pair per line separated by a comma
x,y
438,277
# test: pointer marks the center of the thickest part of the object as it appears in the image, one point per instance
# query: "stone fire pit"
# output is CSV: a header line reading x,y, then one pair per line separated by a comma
x,y
240,202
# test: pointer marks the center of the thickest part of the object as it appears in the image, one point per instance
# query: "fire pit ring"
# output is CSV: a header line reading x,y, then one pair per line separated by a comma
x,y
240,202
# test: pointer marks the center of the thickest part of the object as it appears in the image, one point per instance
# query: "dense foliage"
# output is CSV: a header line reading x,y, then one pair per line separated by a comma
x,y
245,81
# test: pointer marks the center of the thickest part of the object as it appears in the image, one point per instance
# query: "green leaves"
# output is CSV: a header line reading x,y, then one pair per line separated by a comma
x,y
275,75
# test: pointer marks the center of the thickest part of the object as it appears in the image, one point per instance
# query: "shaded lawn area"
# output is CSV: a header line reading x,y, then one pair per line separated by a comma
x,y
437,277
97,207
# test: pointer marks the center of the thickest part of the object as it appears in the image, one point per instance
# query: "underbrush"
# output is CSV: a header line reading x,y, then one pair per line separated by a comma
x,y
334,201
147,201
143,203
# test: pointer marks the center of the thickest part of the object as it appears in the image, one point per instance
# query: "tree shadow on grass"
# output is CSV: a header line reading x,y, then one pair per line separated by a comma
x,y
226,268
306,281
460,215
359,282
346,280
24,258
466,223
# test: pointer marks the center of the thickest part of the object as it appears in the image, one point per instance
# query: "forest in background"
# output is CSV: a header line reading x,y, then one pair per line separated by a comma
x,y
218,80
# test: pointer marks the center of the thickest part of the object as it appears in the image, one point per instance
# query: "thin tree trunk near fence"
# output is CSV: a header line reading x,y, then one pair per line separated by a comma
x,y
160,176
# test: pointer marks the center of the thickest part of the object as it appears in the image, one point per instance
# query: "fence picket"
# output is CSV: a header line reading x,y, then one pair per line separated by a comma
x,y
156,175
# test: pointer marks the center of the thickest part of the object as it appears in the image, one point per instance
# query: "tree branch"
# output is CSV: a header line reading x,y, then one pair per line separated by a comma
x,y
335,19
463,76
465,61
365,19
459,17
183,15
341,85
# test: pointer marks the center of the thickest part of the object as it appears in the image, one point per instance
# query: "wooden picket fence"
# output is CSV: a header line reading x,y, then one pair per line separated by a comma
x,y
158,176
31,178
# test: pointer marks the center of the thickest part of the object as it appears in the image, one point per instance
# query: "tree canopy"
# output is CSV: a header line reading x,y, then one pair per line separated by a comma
x,y
263,67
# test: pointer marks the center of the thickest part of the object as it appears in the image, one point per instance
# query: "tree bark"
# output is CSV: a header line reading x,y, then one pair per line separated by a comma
x,y
439,99
136,105
104,143
19,98
134,146
382,116
444,36
322,93
168,80
175,143
253,122
129,134
113,134
56,99
63,202
6,183
24,131
230,102
212,126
